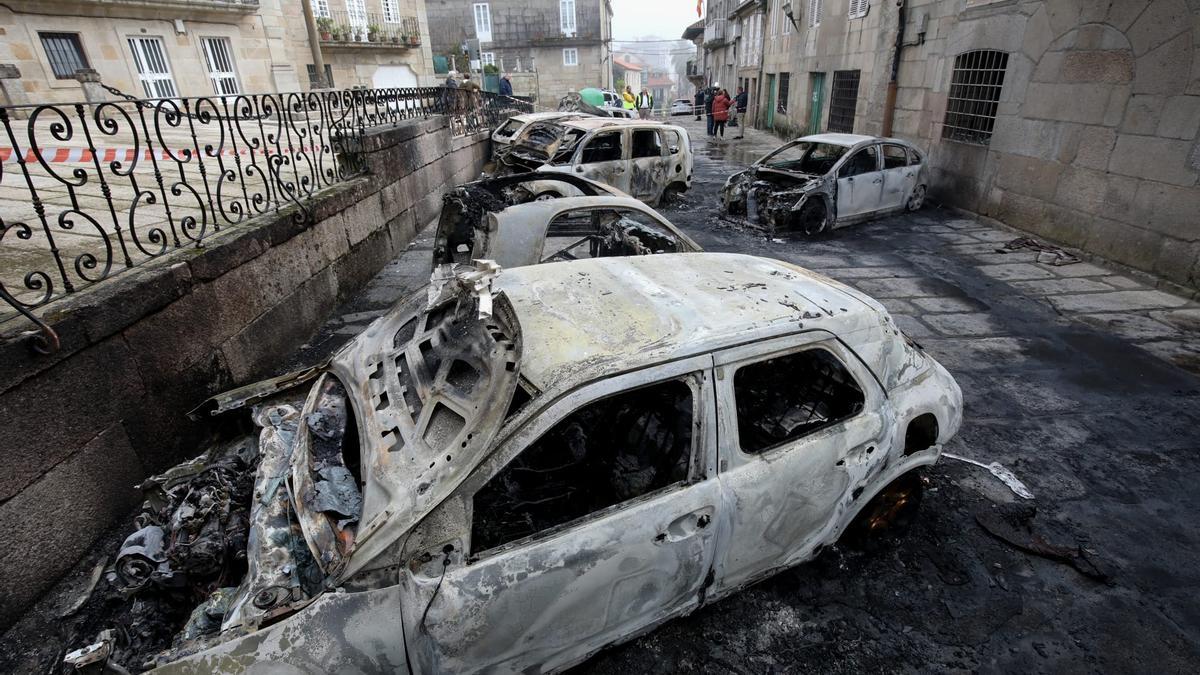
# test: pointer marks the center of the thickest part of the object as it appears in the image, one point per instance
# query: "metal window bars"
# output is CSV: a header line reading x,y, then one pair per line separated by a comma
x,y
843,101
974,96
88,190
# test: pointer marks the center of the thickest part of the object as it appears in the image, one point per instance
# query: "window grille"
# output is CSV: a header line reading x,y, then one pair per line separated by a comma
x,y
218,56
844,101
974,96
785,80
391,11
65,54
814,13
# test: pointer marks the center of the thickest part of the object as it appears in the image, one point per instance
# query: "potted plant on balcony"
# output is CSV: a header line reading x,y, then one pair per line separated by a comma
x,y
396,38
325,27
373,32
414,40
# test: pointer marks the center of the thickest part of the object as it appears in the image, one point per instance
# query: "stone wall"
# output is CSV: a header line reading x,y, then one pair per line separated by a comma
x,y
86,424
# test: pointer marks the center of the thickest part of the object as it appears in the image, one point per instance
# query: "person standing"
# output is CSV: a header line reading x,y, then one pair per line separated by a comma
x,y
627,100
699,103
505,86
645,103
720,113
709,96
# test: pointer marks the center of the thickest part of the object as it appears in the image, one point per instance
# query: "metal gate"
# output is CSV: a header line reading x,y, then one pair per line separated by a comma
x,y
843,101
816,101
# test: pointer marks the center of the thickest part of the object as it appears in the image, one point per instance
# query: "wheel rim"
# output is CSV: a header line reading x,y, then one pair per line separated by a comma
x,y
917,198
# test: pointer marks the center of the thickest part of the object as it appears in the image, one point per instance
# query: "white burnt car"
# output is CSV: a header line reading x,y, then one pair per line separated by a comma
x,y
513,126
825,181
507,473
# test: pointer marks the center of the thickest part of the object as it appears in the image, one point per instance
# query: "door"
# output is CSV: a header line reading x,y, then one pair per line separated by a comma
x,y
899,178
770,101
859,183
602,523
604,158
150,59
356,12
797,421
647,165
816,101
218,57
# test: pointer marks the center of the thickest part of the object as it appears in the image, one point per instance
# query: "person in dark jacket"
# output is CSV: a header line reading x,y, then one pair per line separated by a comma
x,y
741,100
720,112
709,95
699,103
505,86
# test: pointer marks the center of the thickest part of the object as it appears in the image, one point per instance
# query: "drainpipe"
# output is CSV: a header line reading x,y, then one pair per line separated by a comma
x,y
314,43
889,105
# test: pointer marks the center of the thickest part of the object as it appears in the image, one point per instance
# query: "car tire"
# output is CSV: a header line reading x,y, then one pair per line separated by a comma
x,y
672,192
546,196
811,219
916,199
887,516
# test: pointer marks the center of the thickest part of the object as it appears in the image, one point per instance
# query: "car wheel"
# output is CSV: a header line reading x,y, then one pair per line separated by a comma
x,y
812,217
888,515
672,192
546,196
916,199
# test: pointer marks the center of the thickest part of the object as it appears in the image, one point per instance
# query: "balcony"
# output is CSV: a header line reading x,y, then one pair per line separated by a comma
x,y
342,30
714,33
138,8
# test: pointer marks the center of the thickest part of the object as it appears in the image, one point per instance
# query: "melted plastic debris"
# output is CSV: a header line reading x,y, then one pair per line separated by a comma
x,y
999,471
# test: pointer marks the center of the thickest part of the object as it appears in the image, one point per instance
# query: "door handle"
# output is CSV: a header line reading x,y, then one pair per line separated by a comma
x,y
877,180
686,525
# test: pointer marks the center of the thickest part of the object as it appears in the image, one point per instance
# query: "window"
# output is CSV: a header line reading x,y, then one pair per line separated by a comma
x,y
483,22
321,8
814,13
218,56
566,16
312,76
391,11
858,8
604,233
571,57
785,80
894,157
844,101
487,58
604,148
974,96
356,12
65,54
608,452
785,398
150,59
863,161
646,143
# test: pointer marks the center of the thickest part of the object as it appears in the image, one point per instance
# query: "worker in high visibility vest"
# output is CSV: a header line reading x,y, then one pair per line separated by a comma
x,y
628,99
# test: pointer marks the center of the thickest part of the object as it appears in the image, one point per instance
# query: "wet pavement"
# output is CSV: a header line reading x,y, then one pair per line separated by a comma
x,y
1076,378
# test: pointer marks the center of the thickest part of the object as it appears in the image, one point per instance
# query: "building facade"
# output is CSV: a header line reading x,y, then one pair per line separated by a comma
x,y
1077,120
207,47
556,46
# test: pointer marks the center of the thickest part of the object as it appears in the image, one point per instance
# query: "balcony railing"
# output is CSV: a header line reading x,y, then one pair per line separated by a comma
x,y
368,30
714,32
192,6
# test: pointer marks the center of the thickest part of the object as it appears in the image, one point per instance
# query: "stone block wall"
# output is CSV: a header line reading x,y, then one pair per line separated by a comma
x,y
86,424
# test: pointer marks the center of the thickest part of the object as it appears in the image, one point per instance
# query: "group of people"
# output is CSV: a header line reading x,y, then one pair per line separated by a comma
x,y
643,103
720,108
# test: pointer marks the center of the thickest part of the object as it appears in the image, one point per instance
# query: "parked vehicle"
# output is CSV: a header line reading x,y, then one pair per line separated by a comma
x,y
825,181
514,222
539,463
513,126
643,158
681,106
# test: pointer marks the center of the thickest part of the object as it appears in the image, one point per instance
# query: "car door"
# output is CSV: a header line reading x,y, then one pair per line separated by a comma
x,y
604,158
798,421
598,519
647,164
860,183
899,178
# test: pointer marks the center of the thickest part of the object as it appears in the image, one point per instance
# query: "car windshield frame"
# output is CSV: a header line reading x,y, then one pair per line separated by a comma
x,y
806,162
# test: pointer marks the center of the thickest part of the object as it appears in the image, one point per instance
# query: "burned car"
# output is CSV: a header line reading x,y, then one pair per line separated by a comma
x,y
648,160
514,221
825,181
513,126
509,471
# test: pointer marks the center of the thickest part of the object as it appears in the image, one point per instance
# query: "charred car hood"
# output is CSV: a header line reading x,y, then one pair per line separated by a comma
x,y
430,384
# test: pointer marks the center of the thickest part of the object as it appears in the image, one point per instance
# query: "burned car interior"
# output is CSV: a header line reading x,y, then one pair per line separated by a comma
x,y
606,232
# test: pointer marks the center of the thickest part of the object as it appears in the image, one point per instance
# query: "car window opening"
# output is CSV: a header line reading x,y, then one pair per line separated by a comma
x,y
604,233
784,398
806,157
605,147
606,453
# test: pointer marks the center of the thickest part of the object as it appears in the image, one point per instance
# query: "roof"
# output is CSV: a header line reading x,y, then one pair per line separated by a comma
x,y
660,81
622,63
583,319
694,30
838,139
589,123
542,116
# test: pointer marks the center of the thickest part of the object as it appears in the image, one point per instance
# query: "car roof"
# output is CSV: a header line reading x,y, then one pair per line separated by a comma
x,y
589,123
584,319
838,139
541,116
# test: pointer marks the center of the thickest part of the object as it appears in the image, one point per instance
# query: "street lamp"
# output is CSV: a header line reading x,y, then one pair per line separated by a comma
x,y
787,11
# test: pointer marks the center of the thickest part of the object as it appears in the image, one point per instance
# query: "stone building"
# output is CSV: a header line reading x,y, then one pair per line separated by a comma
x,y
1076,120
555,46
206,47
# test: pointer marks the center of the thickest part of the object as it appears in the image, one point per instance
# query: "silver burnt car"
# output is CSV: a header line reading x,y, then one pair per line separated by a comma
x,y
825,181
509,471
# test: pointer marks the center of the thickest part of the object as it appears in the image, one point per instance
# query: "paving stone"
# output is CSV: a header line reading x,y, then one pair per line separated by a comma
x,y
820,262
897,307
1184,319
1076,270
978,323
869,272
1060,286
986,353
957,238
912,326
1122,282
963,224
1015,271
874,260
1130,326
1183,353
949,304
1036,397
894,288
994,236
1117,301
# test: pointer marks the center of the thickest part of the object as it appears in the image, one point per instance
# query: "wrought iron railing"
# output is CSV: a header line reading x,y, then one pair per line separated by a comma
x,y
367,29
88,190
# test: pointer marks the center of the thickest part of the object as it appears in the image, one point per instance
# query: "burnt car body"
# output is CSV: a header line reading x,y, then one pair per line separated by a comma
x,y
512,221
820,182
512,127
561,457
645,159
